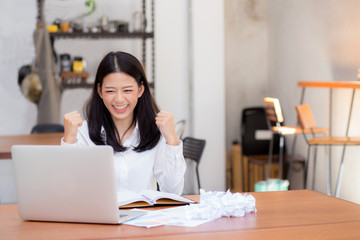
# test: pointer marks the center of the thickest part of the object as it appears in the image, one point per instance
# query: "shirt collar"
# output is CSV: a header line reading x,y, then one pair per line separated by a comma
x,y
131,140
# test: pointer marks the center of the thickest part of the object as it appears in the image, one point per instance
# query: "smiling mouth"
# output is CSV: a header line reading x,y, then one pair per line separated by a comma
x,y
120,108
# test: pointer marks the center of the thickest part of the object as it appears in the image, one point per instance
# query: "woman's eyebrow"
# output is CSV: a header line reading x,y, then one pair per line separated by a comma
x,y
129,86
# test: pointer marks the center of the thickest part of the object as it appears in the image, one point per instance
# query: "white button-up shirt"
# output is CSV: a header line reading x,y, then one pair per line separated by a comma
x,y
137,171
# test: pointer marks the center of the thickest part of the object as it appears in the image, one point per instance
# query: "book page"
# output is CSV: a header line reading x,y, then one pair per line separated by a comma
x,y
132,199
164,197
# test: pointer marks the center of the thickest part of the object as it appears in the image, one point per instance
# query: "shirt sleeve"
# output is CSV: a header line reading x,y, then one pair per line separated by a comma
x,y
169,167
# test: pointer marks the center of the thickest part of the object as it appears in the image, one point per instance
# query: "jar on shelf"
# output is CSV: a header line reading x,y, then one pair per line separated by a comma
x,y
65,62
138,22
78,65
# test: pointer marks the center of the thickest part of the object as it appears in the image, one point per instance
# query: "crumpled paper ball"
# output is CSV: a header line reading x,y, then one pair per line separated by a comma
x,y
220,204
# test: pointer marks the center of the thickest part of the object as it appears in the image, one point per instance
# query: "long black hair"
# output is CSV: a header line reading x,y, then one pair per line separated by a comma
x,y
145,111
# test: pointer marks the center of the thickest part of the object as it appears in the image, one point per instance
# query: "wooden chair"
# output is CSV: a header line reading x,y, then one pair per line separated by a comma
x,y
276,123
276,118
308,123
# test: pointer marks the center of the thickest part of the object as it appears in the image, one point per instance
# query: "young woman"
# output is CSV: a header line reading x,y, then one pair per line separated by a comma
x,y
122,113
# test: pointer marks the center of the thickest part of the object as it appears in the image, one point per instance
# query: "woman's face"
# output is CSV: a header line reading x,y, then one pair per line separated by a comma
x,y
120,93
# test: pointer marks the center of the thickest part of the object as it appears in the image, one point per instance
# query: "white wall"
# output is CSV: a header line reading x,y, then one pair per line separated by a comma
x,y
197,96
18,115
209,89
172,66
246,60
17,21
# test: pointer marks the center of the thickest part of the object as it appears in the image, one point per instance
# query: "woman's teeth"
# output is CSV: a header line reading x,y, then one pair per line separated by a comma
x,y
120,107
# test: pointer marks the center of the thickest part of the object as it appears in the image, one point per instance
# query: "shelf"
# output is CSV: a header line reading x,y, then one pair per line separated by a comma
x,y
77,85
75,80
74,75
140,35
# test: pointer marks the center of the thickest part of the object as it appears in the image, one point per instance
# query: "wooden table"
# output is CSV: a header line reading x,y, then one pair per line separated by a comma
x,y
29,139
301,214
331,84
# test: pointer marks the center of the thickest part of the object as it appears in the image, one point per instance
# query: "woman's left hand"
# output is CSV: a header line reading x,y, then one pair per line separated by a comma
x,y
165,122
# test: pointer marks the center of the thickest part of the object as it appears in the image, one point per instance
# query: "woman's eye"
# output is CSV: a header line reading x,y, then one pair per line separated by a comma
x,y
109,91
128,90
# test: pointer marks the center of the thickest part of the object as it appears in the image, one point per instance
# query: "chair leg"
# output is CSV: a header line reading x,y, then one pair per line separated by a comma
x,y
248,176
314,169
242,170
281,155
198,177
341,168
328,172
263,170
288,175
270,156
307,166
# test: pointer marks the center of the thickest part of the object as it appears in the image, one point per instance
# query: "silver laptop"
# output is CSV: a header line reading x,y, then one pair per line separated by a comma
x,y
67,184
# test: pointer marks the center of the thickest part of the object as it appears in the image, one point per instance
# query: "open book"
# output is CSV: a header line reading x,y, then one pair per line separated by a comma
x,y
146,198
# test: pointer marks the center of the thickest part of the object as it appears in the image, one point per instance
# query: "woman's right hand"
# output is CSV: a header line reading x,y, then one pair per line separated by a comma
x,y
72,121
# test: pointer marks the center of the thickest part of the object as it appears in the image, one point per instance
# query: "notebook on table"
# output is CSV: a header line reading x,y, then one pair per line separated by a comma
x,y
67,184
149,198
